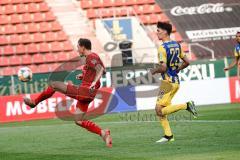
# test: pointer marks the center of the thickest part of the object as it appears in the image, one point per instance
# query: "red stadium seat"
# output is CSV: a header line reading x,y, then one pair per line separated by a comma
x,y
138,9
4,61
9,9
49,16
16,1
32,7
144,19
142,2
21,8
97,4
176,36
20,49
34,68
9,71
21,28
56,46
118,3
27,1
163,17
43,68
27,38
61,36
4,19
38,58
27,18
107,3
153,18
130,2
50,57
3,40
2,30
44,47
67,45
157,9
85,4
32,27
55,26
91,13
4,2
62,56
37,1
26,59
14,60
43,7
15,18
32,48
38,37
50,36
38,17
2,10
10,29
147,9
15,39
123,12
45,27
8,50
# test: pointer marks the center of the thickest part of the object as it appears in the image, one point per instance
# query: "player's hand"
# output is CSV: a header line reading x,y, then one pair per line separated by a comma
x,y
79,76
226,69
92,87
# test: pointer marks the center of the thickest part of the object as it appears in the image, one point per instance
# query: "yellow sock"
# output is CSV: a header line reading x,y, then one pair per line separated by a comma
x,y
166,126
173,108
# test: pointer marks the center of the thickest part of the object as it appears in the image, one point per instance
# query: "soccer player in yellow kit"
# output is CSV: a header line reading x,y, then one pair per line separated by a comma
x,y
237,56
169,55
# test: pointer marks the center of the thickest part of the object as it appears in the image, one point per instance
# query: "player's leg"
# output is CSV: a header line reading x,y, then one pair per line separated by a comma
x,y
164,100
48,92
168,136
81,120
173,108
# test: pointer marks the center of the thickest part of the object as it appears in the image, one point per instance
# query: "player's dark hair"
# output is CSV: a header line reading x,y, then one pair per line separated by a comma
x,y
85,43
238,32
165,26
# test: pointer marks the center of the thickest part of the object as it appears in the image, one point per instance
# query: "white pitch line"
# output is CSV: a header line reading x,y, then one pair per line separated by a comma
x,y
127,122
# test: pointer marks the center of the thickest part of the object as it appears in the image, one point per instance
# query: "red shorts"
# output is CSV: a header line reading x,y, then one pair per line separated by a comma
x,y
82,94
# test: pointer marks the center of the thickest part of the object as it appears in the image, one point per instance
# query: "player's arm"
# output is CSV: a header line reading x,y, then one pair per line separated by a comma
x,y
234,62
185,60
184,64
99,72
161,67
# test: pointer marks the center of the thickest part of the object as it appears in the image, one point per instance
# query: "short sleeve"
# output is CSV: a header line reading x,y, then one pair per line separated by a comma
x,y
162,55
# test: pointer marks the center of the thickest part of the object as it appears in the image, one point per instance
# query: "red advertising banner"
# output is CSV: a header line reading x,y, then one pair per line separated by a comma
x,y
234,84
13,109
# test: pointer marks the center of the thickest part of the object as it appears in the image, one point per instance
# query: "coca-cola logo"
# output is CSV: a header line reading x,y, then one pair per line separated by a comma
x,y
202,9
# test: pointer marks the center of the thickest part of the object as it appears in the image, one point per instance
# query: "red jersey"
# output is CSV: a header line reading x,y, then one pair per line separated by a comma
x,y
89,71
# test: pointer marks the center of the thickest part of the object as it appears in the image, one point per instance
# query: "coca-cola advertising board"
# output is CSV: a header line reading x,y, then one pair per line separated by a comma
x,y
205,24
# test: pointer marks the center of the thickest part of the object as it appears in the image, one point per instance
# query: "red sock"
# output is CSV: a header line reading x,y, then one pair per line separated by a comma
x,y
91,126
44,95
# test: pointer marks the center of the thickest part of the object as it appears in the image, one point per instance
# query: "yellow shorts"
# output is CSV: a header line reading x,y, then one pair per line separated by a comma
x,y
167,91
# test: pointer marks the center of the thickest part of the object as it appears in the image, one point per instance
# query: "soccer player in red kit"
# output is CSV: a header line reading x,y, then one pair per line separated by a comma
x,y
85,93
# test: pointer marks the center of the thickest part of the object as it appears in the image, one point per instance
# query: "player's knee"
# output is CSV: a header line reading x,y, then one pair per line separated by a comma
x,y
158,110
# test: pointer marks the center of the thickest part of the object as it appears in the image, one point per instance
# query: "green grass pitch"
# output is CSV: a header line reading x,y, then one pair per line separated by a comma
x,y
215,135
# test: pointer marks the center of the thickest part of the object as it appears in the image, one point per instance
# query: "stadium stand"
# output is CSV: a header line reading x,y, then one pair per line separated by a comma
x,y
30,35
